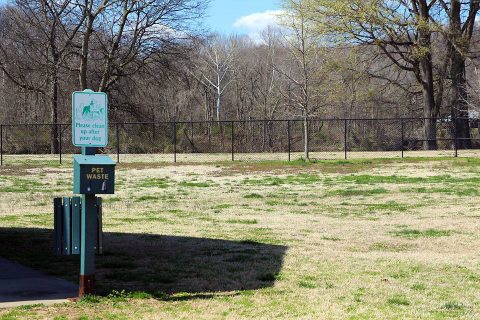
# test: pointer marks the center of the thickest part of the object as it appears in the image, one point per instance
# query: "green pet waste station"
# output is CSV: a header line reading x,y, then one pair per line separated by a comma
x,y
78,220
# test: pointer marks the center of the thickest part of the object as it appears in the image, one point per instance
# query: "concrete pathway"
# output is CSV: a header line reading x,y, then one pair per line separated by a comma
x,y
20,285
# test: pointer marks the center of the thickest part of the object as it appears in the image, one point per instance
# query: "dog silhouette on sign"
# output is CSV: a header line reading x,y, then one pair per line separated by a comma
x,y
87,109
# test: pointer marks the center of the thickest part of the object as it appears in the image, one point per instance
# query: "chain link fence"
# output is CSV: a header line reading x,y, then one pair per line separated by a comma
x,y
255,140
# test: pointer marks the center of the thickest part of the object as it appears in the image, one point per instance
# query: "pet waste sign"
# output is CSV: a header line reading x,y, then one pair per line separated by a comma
x,y
90,119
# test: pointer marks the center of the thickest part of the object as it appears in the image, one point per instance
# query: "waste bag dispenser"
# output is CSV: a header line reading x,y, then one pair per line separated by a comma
x,y
93,175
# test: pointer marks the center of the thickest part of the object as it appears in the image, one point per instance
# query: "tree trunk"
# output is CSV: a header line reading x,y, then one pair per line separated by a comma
x,y
54,143
430,111
459,102
459,84
218,107
430,122
84,53
306,139
429,106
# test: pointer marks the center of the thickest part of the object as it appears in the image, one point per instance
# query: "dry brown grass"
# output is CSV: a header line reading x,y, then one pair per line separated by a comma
x,y
202,158
376,239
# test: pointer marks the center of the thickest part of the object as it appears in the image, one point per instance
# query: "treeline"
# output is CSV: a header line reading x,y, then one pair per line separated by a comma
x,y
360,59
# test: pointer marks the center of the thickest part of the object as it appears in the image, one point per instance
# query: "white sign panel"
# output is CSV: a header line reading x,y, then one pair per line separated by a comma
x,y
89,119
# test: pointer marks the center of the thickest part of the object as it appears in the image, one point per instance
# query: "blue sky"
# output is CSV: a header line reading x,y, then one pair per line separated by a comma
x,y
240,16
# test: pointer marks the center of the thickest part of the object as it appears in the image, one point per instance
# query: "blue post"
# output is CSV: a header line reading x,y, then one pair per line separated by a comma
x,y
92,174
67,224
76,224
88,242
58,221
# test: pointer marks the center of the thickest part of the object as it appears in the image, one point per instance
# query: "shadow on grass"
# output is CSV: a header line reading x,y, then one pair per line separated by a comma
x,y
154,263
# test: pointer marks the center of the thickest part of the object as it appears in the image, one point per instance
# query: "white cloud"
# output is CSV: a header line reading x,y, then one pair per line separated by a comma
x,y
255,23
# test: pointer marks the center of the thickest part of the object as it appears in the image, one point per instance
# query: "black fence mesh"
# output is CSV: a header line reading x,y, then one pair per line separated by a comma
x,y
255,140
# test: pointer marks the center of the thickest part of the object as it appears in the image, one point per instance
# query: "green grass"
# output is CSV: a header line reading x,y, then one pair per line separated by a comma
x,y
389,247
161,183
195,184
302,178
307,283
253,196
453,305
107,200
222,206
356,192
6,219
428,233
398,300
242,221
418,287
147,198
330,238
458,190
387,206
20,185
383,179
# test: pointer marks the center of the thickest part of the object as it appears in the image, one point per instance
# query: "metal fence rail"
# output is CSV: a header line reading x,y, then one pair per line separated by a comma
x,y
205,141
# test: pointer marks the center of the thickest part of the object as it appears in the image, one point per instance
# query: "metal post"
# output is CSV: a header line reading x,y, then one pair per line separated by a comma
x,y
99,205
456,136
191,129
232,137
60,142
35,140
67,224
57,222
1,144
174,140
88,243
345,139
403,137
289,141
117,134
264,139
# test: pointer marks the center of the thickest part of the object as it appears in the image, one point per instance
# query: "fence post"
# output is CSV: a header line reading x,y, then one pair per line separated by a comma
x,y
232,137
289,141
35,140
60,141
345,138
455,139
174,140
403,137
191,129
1,144
117,134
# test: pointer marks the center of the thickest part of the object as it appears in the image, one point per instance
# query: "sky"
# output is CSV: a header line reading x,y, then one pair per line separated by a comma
x,y
241,16
248,17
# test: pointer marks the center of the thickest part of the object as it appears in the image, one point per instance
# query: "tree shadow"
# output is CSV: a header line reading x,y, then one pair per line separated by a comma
x,y
154,263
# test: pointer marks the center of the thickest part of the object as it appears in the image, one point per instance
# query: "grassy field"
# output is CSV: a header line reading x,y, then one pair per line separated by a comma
x,y
360,239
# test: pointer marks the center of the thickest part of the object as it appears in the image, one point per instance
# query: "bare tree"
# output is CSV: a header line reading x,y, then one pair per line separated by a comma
x,y
301,71
402,30
461,16
44,32
214,67
268,78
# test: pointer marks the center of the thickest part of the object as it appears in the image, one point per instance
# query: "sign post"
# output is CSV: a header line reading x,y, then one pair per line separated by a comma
x,y
92,174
